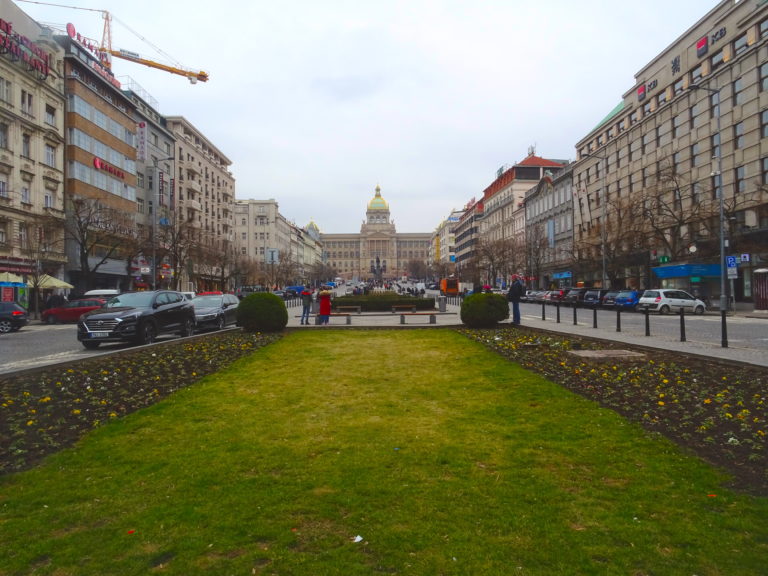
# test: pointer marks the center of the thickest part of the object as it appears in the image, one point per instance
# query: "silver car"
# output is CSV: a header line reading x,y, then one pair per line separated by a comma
x,y
665,301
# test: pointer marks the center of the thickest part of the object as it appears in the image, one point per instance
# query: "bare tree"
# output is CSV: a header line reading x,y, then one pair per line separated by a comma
x,y
416,268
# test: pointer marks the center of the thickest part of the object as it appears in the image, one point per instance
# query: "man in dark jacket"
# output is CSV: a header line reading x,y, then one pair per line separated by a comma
x,y
306,304
514,295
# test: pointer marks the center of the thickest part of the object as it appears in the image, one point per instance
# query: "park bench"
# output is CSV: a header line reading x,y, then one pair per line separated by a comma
x,y
335,315
396,307
432,317
349,309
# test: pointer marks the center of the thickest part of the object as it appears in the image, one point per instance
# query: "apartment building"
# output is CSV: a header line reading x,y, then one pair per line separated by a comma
x,y
31,148
690,137
442,250
204,206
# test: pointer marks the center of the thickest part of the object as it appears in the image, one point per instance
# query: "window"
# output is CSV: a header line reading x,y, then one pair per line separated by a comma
x,y
50,115
48,200
764,170
676,158
764,28
647,139
140,205
738,135
5,90
696,193
26,145
50,156
26,103
3,237
764,76
647,108
23,235
764,124
696,157
716,186
696,74
740,179
715,145
25,196
634,118
716,59
678,125
738,92
714,104
3,135
662,97
678,87
740,44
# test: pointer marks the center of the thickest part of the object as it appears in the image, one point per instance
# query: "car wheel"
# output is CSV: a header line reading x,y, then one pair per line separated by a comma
x,y
187,328
90,345
52,320
5,326
220,323
147,333
664,309
699,310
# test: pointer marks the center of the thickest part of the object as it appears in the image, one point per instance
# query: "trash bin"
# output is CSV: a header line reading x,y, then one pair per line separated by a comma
x,y
441,303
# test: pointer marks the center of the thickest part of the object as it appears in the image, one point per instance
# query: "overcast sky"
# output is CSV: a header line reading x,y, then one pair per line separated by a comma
x,y
316,102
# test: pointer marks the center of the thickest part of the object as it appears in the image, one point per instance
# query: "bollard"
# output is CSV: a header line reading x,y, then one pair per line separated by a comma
x,y
594,317
574,314
557,307
682,324
647,322
543,311
618,319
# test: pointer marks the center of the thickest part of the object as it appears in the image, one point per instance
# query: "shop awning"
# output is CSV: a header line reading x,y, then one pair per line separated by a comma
x,y
46,281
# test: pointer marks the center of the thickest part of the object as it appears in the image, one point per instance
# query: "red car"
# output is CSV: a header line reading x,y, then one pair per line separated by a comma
x,y
71,311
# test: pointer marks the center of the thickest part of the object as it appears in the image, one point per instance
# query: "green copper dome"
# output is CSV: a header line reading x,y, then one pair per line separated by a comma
x,y
378,203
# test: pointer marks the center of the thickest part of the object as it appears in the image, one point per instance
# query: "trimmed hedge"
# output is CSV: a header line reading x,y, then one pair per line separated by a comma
x,y
383,302
484,310
262,312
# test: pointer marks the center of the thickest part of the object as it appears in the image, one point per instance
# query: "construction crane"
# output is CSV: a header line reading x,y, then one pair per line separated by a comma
x,y
106,47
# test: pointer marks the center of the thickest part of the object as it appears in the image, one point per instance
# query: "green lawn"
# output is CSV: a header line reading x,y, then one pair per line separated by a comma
x,y
443,457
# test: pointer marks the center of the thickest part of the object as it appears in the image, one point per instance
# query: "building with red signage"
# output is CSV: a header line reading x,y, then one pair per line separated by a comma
x,y
681,165
31,149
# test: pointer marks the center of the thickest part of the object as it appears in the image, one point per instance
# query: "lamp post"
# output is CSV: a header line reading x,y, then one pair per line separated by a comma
x,y
719,175
155,214
603,216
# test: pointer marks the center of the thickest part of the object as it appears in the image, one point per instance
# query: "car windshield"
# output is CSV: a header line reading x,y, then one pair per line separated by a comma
x,y
207,301
132,299
624,295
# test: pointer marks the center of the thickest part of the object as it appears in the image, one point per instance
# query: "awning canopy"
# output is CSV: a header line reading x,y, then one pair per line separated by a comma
x,y
46,281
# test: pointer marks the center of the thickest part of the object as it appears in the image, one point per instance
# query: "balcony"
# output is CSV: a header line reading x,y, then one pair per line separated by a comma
x,y
193,205
193,185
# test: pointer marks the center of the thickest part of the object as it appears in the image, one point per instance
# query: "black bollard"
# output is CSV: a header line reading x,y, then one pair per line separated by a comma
x,y
682,324
543,311
647,322
594,317
574,314
557,307
618,319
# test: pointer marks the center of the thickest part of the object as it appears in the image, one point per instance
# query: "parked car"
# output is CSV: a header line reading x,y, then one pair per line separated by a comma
x,y
215,311
628,300
529,296
610,298
12,317
555,296
665,301
575,296
72,310
137,317
594,297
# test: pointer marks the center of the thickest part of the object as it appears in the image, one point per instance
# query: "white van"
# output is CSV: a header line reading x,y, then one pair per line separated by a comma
x,y
103,292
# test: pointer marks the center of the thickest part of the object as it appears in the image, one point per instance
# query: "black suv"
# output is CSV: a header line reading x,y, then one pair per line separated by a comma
x,y
12,317
575,297
594,297
137,317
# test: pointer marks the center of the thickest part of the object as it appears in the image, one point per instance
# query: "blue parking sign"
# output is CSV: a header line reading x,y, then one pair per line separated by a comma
x,y
731,261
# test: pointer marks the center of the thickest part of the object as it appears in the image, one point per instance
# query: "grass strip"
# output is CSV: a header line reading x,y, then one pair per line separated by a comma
x,y
443,457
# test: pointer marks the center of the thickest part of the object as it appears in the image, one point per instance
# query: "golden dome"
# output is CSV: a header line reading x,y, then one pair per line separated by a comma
x,y
378,203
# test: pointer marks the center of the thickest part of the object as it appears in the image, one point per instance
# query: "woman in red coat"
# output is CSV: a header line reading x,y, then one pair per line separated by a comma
x,y
325,306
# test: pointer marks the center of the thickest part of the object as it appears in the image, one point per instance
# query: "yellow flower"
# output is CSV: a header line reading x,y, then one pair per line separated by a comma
x,y
30,422
708,401
661,403
75,411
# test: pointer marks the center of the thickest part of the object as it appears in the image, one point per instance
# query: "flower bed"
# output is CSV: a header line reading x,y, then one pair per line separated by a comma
x,y
718,410
49,409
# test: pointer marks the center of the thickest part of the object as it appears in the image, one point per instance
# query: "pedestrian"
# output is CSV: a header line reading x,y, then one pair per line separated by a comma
x,y
325,306
306,304
514,295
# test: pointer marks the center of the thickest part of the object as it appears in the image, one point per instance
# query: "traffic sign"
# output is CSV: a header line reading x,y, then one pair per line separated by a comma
x,y
731,262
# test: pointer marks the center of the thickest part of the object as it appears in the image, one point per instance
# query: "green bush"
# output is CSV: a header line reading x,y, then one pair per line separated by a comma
x,y
383,302
484,310
262,312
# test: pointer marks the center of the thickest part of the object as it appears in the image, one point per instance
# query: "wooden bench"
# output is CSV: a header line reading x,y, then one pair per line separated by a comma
x,y
334,315
349,308
432,317
396,307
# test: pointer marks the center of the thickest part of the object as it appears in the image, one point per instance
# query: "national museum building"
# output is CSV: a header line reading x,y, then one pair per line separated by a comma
x,y
378,251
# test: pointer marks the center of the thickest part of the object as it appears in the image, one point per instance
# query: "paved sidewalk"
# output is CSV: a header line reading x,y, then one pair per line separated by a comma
x,y
743,352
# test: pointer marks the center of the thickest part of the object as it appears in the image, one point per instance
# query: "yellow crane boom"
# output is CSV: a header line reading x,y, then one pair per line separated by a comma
x,y
193,76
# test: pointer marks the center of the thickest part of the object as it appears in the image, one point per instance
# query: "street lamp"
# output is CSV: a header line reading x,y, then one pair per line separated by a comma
x,y
155,214
603,217
719,175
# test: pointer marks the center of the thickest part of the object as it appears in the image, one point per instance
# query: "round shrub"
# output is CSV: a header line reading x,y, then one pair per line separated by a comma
x,y
484,310
262,312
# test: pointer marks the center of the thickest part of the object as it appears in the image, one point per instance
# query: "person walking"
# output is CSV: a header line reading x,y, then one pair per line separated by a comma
x,y
514,295
306,304
325,306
